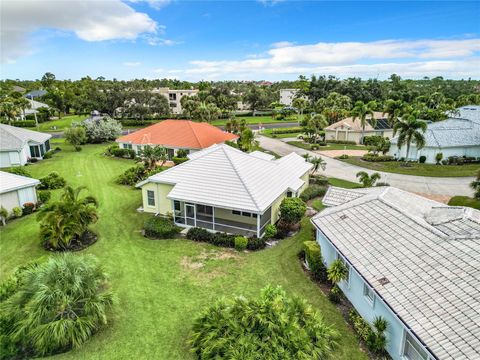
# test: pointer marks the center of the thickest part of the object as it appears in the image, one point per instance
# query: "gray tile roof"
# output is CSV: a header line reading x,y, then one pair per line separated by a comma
x,y
461,129
14,138
10,182
429,252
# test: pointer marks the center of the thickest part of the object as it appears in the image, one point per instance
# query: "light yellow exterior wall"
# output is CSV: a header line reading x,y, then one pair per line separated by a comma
x,y
163,205
227,215
305,177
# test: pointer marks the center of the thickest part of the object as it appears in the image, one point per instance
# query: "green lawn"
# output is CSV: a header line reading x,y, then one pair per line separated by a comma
x,y
159,289
417,168
464,201
60,124
343,183
306,146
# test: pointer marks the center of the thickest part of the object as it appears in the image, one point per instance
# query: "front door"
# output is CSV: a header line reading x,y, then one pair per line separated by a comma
x,y
170,153
190,214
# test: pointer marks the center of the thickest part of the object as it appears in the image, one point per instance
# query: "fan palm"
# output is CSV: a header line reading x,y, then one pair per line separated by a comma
x,y
393,109
368,180
337,271
409,129
150,156
318,163
362,111
60,304
68,218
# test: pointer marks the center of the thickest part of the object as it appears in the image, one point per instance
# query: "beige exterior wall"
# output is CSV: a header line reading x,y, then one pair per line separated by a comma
x,y
163,205
276,207
347,135
9,200
305,177
227,214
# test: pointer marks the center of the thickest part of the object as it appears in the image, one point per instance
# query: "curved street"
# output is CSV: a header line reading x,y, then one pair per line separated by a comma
x,y
448,186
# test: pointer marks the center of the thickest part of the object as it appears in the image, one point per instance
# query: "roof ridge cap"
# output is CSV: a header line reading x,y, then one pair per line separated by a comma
x,y
190,123
241,178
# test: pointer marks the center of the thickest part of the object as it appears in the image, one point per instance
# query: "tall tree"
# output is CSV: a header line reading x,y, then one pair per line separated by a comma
x,y
362,112
409,129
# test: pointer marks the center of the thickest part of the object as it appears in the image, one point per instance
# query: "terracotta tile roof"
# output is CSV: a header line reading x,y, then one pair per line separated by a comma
x,y
180,134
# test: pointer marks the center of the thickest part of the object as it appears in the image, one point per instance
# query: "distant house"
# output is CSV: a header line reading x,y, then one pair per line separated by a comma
x,y
16,190
459,135
349,129
35,94
19,89
34,106
411,260
174,135
18,145
287,96
174,96
224,189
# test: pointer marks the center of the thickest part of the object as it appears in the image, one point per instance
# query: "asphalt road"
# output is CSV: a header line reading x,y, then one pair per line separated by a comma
x,y
448,186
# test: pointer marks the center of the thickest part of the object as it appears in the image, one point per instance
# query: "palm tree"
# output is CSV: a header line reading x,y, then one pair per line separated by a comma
x,y
368,180
67,219
475,185
315,125
362,111
150,156
307,157
393,109
247,140
317,162
410,129
300,104
60,304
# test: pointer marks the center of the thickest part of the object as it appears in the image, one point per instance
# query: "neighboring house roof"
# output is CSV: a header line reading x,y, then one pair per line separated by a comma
x,y
381,123
14,138
426,255
180,134
223,176
34,106
10,182
262,155
35,93
18,88
461,129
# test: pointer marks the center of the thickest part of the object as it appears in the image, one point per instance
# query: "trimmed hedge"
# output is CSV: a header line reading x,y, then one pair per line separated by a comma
x,y
318,180
222,239
132,122
313,257
291,130
377,158
241,243
313,191
52,181
179,160
342,142
115,151
160,228
44,196
24,123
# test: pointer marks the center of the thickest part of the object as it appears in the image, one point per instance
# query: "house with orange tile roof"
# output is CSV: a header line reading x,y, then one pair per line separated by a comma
x,y
175,135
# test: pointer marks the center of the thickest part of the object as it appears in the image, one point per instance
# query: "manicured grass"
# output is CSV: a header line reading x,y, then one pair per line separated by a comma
x,y
317,204
417,168
306,146
464,201
159,286
60,124
343,183
250,120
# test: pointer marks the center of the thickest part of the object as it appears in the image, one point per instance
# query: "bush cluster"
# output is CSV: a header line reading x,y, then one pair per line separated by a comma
x,y
179,160
17,211
342,142
135,174
292,210
377,158
342,157
313,258
48,154
372,140
373,336
137,122
312,192
28,208
19,170
44,196
24,123
114,150
286,130
422,159
241,243
52,181
223,239
160,228
460,160
318,180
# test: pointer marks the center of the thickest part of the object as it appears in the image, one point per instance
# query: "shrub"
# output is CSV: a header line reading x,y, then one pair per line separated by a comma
x,y
422,159
223,240
179,160
17,211
241,243
32,160
132,175
444,162
182,153
255,243
24,123
44,196
52,181
160,228
292,210
76,136
57,149
342,157
372,140
343,142
313,257
3,215
48,154
313,191
270,231
318,180
114,150
101,129
56,305
238,328
377,158
373,336
438,158
291,130
199,234
19,170
28,208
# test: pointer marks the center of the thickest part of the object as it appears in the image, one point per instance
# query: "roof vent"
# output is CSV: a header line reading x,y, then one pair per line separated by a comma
x,y
383,281
343,217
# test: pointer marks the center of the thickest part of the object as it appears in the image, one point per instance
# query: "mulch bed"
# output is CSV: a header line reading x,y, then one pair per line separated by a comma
x,y
79,243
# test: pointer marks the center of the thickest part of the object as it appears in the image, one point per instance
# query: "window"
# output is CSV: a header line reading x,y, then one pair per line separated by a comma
x,y
289,194
47,145
205,210
127,146
412,350
247,214
150,198
172,97
235,212
34,151
176,205
369,294
254,216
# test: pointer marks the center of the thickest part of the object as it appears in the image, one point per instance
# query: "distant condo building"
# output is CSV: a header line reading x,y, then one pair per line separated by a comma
x,y
287,96
174,96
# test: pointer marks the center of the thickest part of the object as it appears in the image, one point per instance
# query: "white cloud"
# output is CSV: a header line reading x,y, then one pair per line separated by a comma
x,y
132,63
159,41
281,44
93,20
270,2
450,58
155,4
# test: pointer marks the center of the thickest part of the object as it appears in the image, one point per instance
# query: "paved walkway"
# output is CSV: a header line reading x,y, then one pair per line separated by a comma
x,y
418,184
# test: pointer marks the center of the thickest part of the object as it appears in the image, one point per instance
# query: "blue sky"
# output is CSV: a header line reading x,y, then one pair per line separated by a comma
x,y
218,40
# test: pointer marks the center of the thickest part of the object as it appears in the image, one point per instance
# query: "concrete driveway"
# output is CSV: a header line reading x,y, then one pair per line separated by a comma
x,y
418,184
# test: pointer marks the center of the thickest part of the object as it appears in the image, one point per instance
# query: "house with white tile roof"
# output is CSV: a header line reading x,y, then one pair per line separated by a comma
x,y
18,145
16,190
224,189
411,260
459,135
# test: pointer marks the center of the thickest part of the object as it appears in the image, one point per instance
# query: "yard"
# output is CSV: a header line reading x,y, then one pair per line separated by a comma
x,y
306,146
417,168
60,124
161,284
